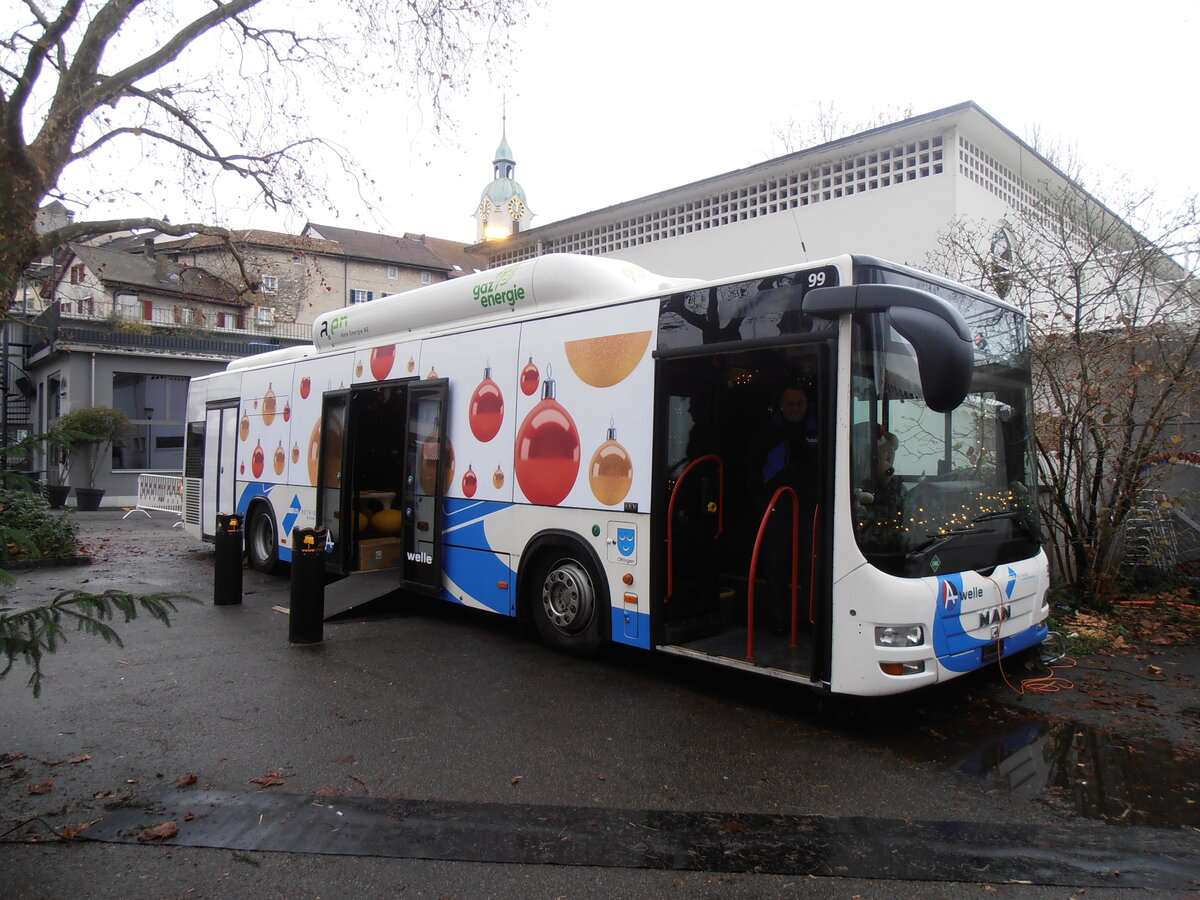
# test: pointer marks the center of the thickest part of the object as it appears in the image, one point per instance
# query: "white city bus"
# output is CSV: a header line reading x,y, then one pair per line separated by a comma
x,y
580,443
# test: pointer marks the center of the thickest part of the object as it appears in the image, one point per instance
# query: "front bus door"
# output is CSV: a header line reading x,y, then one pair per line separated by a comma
x,y
428,467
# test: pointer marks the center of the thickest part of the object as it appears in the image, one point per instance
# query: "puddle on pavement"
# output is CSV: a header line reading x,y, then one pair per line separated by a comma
x,y
1094,772
1097,773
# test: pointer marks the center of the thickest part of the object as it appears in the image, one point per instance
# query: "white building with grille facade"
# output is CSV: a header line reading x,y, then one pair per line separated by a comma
x,y
886,192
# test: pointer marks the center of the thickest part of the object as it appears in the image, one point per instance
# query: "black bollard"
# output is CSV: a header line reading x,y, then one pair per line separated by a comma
x,y
307,619
227,579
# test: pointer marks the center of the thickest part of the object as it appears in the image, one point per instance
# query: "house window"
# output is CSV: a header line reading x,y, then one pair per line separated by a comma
x,y
393,272
270,284
265,315
157,408
357,296
128,306
185,315
426,278
77,274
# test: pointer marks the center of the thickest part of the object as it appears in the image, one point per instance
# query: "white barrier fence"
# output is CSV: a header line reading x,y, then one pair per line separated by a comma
x,y
163,493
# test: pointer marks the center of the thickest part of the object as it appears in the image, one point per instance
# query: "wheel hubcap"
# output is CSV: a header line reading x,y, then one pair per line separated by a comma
x,y
568,598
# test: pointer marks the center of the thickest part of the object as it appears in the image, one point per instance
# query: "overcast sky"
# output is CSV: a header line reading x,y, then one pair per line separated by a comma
x,y
611,101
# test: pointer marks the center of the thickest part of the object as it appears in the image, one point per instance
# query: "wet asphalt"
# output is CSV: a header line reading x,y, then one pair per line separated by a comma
x,y
447,742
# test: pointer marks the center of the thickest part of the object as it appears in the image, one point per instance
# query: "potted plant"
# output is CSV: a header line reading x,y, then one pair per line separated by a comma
x,y
90,432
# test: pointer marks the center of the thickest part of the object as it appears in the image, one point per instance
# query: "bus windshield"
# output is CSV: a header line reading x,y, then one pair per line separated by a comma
x,y
942,492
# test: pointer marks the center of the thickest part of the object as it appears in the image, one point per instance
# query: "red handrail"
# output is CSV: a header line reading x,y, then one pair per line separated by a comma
x,y
762,530
671,513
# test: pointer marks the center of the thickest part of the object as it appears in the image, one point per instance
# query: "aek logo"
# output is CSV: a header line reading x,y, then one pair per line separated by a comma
x,y
493,293
329,326
419,557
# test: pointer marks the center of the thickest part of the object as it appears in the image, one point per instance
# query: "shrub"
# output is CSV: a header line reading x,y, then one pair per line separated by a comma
x,y
30,529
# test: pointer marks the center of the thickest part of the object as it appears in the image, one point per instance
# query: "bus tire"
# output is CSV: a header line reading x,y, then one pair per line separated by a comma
x,y
567,602
262,539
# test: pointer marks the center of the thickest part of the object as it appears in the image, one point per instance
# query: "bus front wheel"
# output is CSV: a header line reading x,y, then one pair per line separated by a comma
x,y
262,540
567,605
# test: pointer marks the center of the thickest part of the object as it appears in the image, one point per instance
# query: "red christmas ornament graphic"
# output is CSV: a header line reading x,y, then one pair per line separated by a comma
x,y
487,408
258,459
382,359
305,387
530,376
547,461
287,412
470,483
611,470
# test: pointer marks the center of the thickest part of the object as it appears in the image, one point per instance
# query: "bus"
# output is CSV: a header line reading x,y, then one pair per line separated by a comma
x,y
586,446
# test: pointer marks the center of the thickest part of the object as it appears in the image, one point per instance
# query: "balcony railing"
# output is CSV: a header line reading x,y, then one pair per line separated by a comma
x,y
163,332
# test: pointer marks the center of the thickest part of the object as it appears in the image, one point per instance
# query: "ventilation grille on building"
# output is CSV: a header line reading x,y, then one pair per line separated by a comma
x,y
808,185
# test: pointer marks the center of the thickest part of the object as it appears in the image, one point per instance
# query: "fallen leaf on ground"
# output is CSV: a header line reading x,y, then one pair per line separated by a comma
x,y
42,787
163,832
187,779
271,779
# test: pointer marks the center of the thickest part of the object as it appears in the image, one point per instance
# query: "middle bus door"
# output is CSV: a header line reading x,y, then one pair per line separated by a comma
x,y
428,467
332,501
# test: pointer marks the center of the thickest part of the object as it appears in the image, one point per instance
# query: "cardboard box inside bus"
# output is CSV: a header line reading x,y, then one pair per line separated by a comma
x,y
379,553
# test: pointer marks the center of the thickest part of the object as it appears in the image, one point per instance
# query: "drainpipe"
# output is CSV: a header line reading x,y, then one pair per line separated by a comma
x,y
92,382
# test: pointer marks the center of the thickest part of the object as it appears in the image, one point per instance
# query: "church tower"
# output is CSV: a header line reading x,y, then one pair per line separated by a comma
x,y
502,210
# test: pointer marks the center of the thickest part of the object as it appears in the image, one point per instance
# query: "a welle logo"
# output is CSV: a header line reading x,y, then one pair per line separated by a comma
x,y
496,292
419,557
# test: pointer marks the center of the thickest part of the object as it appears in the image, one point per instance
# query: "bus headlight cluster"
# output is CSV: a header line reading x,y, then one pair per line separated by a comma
x,y
899,635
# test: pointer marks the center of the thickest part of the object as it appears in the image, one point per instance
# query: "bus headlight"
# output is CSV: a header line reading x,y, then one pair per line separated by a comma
x,y
899,635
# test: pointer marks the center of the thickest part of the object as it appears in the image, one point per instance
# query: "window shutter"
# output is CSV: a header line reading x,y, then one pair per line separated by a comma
x,y
241,320
175,314
148,310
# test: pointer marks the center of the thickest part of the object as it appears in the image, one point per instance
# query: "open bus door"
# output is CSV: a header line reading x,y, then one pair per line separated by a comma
x,y
220,450
428,467
384,465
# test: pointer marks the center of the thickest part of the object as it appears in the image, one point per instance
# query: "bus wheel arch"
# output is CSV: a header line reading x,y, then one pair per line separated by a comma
x,y
562,592
262,537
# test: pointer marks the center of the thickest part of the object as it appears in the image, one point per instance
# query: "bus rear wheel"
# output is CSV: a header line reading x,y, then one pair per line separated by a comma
x,y
262,540
567,605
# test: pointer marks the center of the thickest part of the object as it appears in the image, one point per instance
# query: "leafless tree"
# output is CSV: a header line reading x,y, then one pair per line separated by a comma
x,y
830,124
207,89
1114,326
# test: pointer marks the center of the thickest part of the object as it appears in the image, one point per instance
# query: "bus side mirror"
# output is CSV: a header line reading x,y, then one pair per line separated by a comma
x,y
937,331
944,360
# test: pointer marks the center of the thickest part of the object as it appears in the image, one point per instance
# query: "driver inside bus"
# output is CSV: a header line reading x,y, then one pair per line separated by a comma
x,y
789,458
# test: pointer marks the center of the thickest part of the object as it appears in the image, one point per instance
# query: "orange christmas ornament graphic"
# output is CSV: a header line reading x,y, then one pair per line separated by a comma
x,y
498,478
610,472
427,463
244,428
269,403
280,459
604,361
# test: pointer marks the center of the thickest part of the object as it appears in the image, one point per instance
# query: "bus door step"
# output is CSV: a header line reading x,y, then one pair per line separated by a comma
x,y
358,588
689,628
